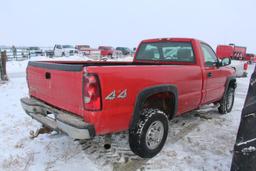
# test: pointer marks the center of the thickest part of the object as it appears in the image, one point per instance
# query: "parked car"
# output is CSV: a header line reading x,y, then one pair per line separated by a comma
x,y
64,50
85,50
89,98
49,53
35,51
124,50
106,51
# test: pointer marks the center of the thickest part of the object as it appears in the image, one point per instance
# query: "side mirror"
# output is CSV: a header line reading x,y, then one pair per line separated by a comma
x,y
225,62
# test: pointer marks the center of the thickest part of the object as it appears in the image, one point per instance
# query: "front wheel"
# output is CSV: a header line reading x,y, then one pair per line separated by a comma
x,y
110,56
150,133
227,102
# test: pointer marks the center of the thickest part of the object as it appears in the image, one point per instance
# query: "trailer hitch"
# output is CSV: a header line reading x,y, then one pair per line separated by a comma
x,y
42,130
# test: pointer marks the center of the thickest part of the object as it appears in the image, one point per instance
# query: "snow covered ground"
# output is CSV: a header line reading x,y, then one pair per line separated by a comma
x,y
200,140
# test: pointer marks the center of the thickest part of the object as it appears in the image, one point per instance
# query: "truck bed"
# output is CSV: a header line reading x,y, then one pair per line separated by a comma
x,y
60,83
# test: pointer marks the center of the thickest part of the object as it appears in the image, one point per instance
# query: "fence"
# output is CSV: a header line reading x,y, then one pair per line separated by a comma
x,y
21,54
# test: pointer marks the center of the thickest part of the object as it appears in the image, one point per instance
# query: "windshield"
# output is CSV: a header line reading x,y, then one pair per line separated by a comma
x,y
67,46
105,48
34,48
166,51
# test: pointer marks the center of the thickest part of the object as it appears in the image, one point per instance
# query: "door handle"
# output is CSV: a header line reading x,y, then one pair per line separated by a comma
x,y
209,74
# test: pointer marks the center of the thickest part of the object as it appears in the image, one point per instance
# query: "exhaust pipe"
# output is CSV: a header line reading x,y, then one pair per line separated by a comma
x,y
107,142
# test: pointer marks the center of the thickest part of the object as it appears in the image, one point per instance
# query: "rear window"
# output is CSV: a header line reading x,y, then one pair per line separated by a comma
x,y
166,51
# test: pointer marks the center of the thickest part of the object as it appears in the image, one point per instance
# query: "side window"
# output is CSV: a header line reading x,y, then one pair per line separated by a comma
x,y
209,55
57,47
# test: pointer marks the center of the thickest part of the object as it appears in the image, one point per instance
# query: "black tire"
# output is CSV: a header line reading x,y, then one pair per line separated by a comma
x,y
227,102
137,137
110,56
245,74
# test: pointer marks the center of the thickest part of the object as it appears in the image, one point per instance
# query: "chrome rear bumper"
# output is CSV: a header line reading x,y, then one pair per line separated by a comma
x,y
66,122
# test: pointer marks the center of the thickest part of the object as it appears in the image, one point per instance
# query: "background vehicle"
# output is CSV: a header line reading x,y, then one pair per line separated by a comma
x,y
167,78
106,51
49,53
251,58
240,67
238,56
35,51
232,51
64,50
85,50
124,50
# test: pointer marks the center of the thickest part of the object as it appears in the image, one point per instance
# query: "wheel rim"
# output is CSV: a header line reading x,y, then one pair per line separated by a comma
x,y
154,135
230,99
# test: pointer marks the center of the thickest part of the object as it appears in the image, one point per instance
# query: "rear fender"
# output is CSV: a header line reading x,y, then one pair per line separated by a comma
x,y
147,92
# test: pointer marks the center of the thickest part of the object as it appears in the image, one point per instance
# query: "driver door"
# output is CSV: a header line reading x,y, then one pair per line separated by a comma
x,y
214,79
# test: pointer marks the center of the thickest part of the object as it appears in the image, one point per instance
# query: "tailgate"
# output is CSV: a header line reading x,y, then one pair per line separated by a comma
x,y
59,85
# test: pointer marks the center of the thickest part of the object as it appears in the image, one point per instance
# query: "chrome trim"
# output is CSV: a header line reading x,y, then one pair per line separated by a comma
x,y
68,123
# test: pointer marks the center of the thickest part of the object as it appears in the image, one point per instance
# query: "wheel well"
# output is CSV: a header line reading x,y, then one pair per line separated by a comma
x,y
164,101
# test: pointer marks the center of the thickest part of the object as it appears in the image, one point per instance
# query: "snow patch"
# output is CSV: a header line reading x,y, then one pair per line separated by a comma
x,y
248,150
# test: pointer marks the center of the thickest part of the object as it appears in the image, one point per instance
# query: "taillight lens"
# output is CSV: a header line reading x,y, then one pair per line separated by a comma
x,y
92,96
245,66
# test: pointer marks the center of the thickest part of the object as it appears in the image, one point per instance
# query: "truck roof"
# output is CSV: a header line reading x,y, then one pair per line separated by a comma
x,y
224,46
170,39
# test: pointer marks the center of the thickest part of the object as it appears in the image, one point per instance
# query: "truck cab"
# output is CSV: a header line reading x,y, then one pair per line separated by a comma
x,y
64,50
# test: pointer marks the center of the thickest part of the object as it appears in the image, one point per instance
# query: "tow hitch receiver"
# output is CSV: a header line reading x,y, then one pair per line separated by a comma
x,y
43,130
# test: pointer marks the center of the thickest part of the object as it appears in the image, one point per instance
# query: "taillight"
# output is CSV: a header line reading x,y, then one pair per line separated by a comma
x,y
245,66
92,96
27,79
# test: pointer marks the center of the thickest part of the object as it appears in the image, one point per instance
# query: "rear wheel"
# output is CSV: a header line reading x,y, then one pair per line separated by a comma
x,y
227,102
110,56
150,134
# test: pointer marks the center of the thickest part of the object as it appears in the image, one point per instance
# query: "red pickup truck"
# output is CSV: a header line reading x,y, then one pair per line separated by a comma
x,y
106,51
167,78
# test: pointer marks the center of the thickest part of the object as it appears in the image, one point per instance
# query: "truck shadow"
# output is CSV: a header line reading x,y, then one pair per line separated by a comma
x,y
119,157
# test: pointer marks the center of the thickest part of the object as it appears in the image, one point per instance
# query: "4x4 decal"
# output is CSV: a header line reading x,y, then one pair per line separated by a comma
x,y
113,95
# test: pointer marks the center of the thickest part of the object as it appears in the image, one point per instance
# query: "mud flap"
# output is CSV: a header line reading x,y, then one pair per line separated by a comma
x,y
244,156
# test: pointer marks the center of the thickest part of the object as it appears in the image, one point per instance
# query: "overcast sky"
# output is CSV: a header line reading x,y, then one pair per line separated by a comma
x,y
125,23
